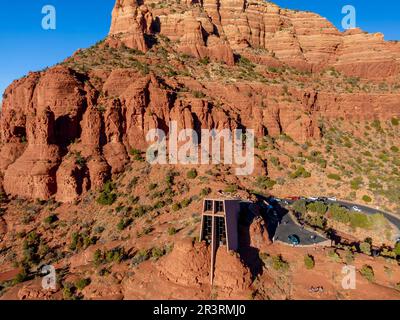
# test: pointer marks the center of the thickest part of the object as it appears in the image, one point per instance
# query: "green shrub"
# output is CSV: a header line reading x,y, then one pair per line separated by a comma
x,y
349,257
198,94
339,213
157,253
230,189
140,256
204,192
137,154
50,219
367,272
20,277
152,186
394,149
397,249
82,283
81,241
365,248
356,183
300,206
366,198
334,256
107,196
186,202
309,261
205,60
172,231
334,176
124,223
318,207
140,211
79,160
395,121
176,207
191,174
265,182
300,172
279,264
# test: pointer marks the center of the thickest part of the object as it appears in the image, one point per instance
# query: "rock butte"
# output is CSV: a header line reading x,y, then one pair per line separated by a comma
x,y
50,116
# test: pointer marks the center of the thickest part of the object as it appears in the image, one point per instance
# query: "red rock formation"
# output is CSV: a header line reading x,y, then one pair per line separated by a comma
x,y
50,118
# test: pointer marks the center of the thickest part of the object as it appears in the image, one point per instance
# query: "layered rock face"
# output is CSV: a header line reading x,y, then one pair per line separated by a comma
x,y
216,28
64,132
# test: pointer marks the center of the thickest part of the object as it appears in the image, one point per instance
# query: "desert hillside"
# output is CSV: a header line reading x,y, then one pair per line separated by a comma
x,y
78,193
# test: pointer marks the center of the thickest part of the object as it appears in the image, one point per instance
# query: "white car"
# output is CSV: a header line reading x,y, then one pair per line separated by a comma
x,y
313,198
355,208
332,199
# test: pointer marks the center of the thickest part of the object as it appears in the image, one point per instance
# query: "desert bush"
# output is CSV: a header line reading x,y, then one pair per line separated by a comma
x,y
152,186
300,172
309,261
140,256
279,264
107,196
186,202
300,206
365,248
50,219
176,207
82,283
318,207
356,183
124,223
265,182
334,256
367,272
205,191
366,198
397,249
191,174
172,231
157,253
334,176
80,161
137,154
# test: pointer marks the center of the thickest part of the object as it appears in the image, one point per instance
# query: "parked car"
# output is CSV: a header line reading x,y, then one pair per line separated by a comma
x,y
332,199
355,208
294,239
313,198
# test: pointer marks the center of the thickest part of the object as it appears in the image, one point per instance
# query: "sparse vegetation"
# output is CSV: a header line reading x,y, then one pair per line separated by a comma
x,y
191,174
368,273
309,261
107,196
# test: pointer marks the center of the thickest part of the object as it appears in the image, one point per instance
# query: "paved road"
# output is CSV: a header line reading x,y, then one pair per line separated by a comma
x,y
365,209
368,210
288,227
281,226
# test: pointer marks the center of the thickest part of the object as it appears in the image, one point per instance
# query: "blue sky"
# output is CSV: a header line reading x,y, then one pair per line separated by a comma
x,y
25,46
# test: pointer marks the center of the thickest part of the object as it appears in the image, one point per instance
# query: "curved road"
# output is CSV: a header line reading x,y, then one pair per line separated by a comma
x,y
364,209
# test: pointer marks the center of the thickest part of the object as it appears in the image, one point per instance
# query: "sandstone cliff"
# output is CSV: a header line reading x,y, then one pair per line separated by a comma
x,y
211,64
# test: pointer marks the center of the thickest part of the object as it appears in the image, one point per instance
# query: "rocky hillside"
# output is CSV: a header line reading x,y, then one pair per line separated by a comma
x,y
77,194
216,64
